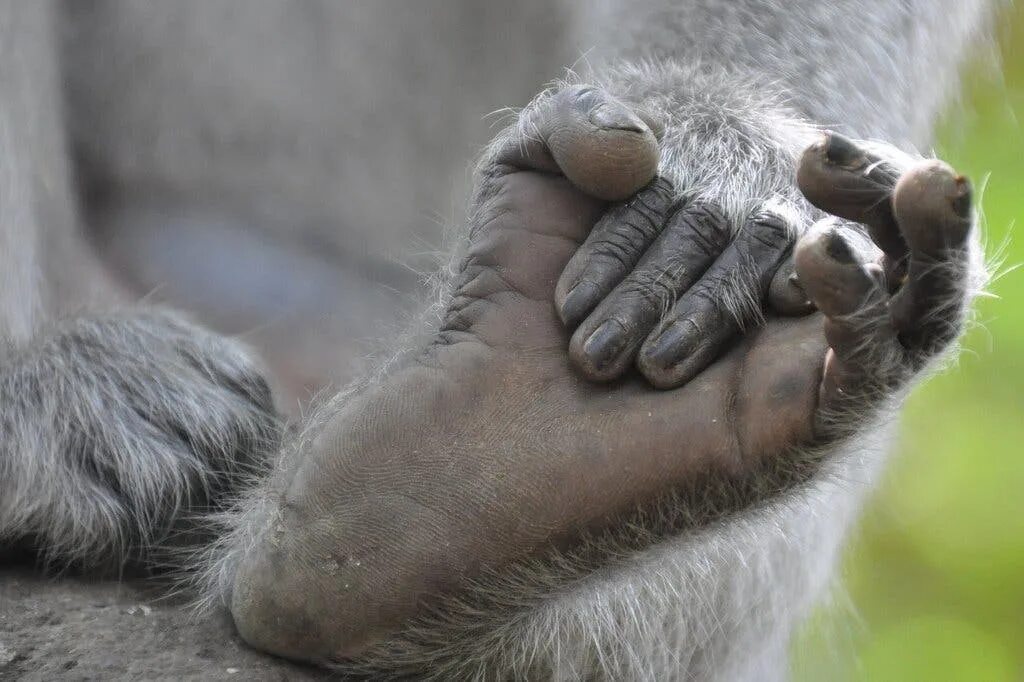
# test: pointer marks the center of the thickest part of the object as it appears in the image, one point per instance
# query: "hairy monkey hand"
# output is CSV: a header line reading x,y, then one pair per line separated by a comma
x,y
486,446
118,426
667,280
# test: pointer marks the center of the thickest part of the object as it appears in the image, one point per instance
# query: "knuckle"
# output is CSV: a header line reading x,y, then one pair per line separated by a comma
x,y
586,96
659,189
570,100
771,227
620,253
636,230
709,213
657,286
643,216
707,223
710,292
627,234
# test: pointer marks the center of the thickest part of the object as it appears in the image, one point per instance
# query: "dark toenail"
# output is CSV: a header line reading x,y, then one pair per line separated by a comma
x,y
841,150
605,343
962,201
578,302
838,250
616,117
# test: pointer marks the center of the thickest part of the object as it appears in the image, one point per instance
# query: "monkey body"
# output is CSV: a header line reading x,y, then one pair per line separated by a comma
x,y
234,142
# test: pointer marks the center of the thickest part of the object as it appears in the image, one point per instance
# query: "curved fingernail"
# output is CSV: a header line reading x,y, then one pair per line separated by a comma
x,y
614,116
672,345
579,302
605,343
962,198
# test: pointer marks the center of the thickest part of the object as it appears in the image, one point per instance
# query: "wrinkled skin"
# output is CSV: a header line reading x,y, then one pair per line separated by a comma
x,y
491,444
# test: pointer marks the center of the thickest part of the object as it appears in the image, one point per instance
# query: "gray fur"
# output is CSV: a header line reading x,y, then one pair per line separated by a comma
x,y
114,425
720,603
118,427
705,585
881,69
708,583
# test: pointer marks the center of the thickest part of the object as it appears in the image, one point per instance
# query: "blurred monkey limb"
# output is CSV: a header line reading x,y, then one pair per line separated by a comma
x,y
437,523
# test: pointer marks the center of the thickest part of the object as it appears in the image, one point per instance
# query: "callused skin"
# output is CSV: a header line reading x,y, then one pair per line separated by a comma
x,y
489,446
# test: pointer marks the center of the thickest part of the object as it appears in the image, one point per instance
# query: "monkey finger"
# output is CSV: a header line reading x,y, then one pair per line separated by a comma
x,y
840,177
849,290
834,271
604,346
612,249
598,142
726,299
933,208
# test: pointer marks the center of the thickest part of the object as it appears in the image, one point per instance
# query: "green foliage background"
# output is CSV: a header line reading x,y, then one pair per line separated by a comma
x,y
934,579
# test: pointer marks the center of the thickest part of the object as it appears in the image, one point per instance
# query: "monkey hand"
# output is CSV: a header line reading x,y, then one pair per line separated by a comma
x,y
667,281
116,425
486,446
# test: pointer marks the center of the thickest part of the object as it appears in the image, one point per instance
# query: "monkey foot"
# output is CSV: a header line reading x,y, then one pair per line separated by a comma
x,y
491,444
891,305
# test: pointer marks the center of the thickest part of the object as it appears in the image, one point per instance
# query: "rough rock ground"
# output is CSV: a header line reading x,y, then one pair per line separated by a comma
x,y
78,629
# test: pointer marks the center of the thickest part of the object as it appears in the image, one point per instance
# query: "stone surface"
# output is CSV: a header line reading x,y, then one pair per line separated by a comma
x,y
77,629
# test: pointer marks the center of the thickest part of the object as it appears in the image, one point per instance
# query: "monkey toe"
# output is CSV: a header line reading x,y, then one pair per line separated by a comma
x,y
844,179
933,207
885,316
848,289
598,142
